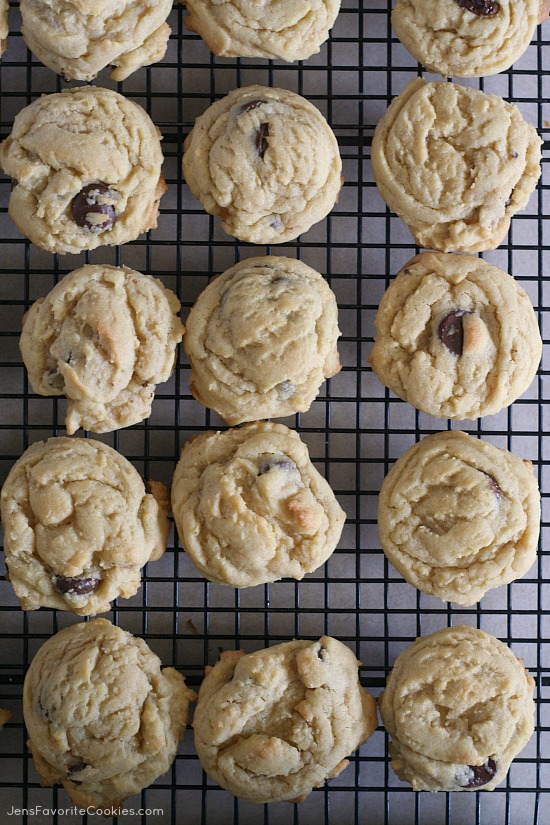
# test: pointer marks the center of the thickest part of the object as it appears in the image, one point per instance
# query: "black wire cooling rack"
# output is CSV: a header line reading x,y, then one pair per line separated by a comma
x,y
355,430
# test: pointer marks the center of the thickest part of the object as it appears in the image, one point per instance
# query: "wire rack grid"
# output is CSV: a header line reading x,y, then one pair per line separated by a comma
x,y
355,431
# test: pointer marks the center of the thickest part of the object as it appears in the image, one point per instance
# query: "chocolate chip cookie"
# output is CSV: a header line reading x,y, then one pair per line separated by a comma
x,y
286,29
104,720
457,516
79,526
261,339
459,708
272,725
251,508
265,161
456,337
78,38
104,337
86,170
4,27
455,164
467,38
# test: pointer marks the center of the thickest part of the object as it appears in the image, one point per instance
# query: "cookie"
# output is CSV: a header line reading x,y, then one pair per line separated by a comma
x,y
251,508
272,725
86,170
79,526
459,708
104,720
266,162
455,164
457,516
261,339
286,29
78,38
467,38
104,337
5,716
4,27
456,337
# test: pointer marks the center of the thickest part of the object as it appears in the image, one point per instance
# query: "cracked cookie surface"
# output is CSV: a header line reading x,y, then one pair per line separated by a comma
x,y
455,164
266,161
459,708
79,526
78,38
458,516
104,720
105,336
251,508
286,29
272,725
456,337
86,165
261,339
449,38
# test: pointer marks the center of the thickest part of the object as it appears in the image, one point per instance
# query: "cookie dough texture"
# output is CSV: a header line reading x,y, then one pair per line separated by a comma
x,y
455,164
286,29
272,725
459,708
104,720
79,526
265,161
250,507
64,144
450,39
78,38
4,27
104,337
261,339
458,516
439,301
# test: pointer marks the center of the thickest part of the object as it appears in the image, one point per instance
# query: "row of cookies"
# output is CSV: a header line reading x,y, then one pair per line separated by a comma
x,y
464,38
104,720
453,162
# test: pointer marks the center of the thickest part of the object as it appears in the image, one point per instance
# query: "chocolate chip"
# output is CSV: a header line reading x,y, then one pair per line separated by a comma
x,y
260,141
494,487
482,774
279,462
252,104
78,587
277,223
451,331
285,390
515,155
483,8
91,210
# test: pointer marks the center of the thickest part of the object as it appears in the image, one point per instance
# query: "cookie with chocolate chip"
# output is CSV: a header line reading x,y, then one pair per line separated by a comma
x,y
250,507
105,336
455,164
285,29
456,337
272,725
261,339
79,526
459,708
104,718
467,38
86,169
266,161
78,38
458,516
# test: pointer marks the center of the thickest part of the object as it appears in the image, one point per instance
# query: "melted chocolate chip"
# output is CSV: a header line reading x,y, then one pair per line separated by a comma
x,y
483,8
260,141
80,587
451,331
285,390
494,487
252,104
279,462
88,204
482,774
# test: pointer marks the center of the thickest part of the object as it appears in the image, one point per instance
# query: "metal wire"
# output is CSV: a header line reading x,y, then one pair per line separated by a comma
x,y
355,431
